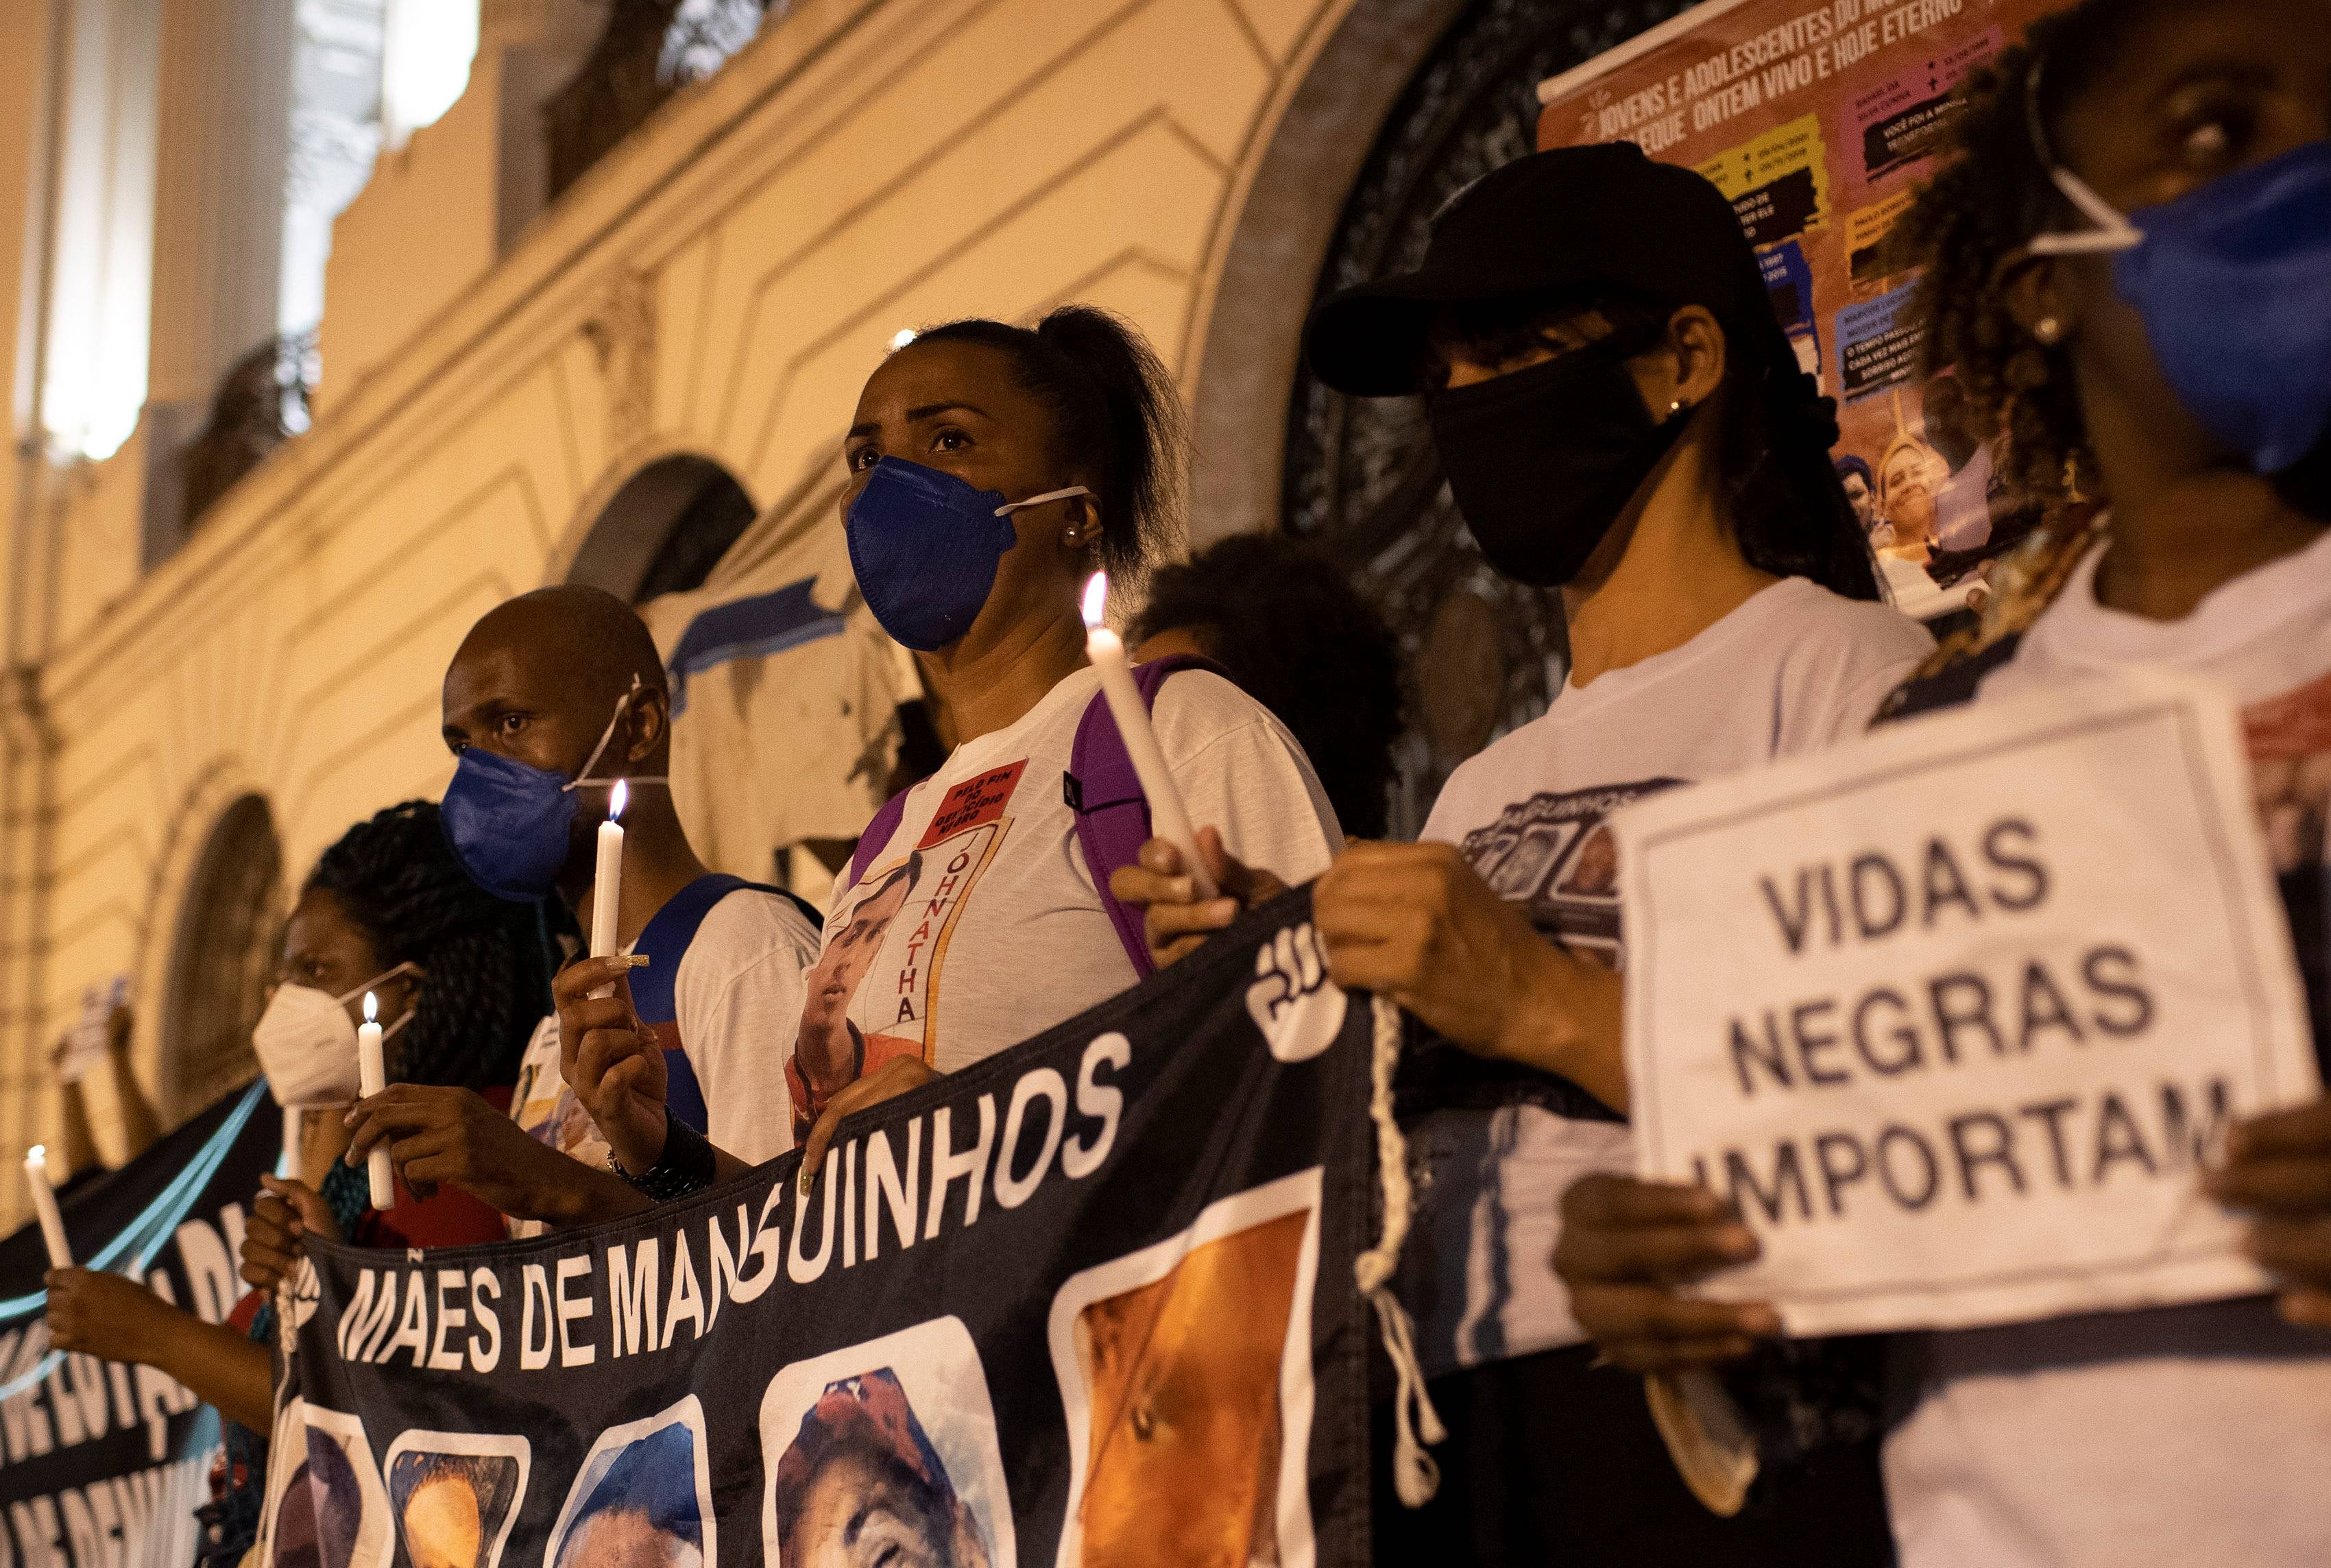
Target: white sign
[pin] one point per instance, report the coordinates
(1954, 1014)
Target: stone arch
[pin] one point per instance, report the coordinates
(661, 528)
(1360, 59)
(222, 957)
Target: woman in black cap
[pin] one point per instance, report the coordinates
(1620, 415)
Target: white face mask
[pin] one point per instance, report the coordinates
(307, 1042)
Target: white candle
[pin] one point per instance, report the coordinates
(1168, 819)
(44, 1204)
(607, 887)
(372, 1077)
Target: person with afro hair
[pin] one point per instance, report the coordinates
(1287, 626)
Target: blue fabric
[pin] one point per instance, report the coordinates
(751, 628)
(656, 1477)
(665, 941)
(508, 824)
(925, 546)
(2233, 282)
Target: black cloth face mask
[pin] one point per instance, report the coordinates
(1542, 461)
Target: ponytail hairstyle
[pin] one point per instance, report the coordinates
(1113, 406)
(485, 961)
(1991, 196)
(1782, 489)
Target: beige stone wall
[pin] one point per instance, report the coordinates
(721, 284)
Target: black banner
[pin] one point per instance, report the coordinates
(103, 1462)
(1091, 1301)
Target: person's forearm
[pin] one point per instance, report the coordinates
(1575, 1027)
(590, 1196)
(223, 1367)
(607, 1196)
(140, 1128)
(79, 1150)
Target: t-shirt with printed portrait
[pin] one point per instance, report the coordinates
(1793, 670)
(978, 925)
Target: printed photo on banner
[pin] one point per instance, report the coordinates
(1185, 1371)
(455, 1495)
(1957, 1019)
(894, 930)
(327, 1507)
(886, 1452)
(643, 1498)
(1818, 123)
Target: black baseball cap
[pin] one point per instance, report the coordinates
(1604, 216)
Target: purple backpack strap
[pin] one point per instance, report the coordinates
(877, 834)
(1102, 790)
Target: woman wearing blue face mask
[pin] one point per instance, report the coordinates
(993, 470)
(2129, 265)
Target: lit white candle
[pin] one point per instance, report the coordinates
(44, 1204)
(607, 887)
(1168, 819)
(372, 1077)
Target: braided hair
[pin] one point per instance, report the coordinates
(486, 963)
(1112, 404)
(1988, 200)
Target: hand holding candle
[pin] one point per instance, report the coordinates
(372, 1077)
(44, 1204)
(607, 885)
(1168, 819)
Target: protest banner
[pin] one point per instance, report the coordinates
(103, 1462)
(1818, 121)
(1957, 1012)
(1092, 1300)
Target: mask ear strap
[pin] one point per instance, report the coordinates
(2113, 232)
(608, 734)
(407, 967)
(1008, 508)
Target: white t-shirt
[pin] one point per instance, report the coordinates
(2194, 1435)
(978, 925)
(1793, 670)
(738, 995)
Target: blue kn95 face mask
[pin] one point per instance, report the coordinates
(2233, 283)
(508, 821)
(925, 544)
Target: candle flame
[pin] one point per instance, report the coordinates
(1096, 599)
(38, 1155)
(619, 798)
(372, 1008)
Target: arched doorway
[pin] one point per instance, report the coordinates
(222, 959)
(664, 529)
(1481, 654)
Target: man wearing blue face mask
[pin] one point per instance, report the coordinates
(551, 699)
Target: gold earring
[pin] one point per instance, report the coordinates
(2048, 330)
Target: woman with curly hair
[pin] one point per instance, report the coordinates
(2129, 268)
(460, 977)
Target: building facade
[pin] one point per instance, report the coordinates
(208, 680)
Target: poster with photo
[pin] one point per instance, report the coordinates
(1818, 121)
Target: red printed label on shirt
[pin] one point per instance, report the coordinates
(974, 803)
